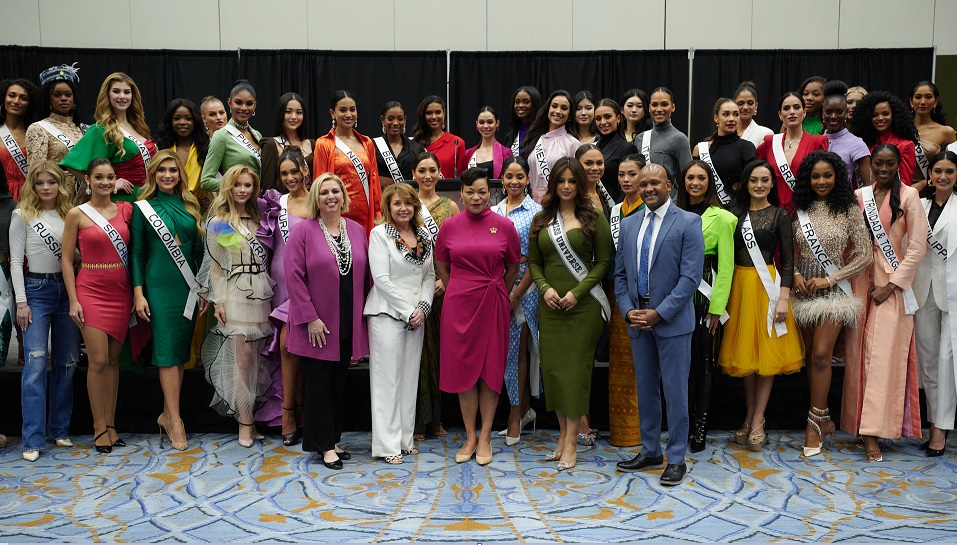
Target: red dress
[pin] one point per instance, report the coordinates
(908, 154)
(450, 150)
(809, 143)
(103, 286)
(475, 311)
(15, 177)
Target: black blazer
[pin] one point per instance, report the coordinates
(614, 148)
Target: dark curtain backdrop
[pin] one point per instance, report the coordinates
(490, 78)
(476, 78)
(717, 73)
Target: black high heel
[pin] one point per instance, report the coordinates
(119, 442)
(102, 449)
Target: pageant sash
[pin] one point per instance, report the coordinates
(705, 154)
(539, 153)
(283, 220)
(175, 252)
(10, 142)
(115, 239)
(56, 133)
(556, 232)
(922, 162)
(604, 194)
(935, 246)
(646, 145)
(516, 149)
(615, 224)
(49, 239)
(357, 164)
(810, 235)
(431, 227)
(781, 161)
(243, 141)
(472, 161)
(144, 153)
(255, 247)
(772, 287)
(707, 289)
(386, 152)
(873, 219)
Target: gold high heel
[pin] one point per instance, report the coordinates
(741, 436)
(756, 439)
(164, 425)
(817, 418)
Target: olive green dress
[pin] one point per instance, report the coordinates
(163, 285)
(568, 337)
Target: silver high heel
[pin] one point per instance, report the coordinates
(816, 418)
(530, 416)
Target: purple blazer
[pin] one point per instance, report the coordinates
(312, 278)
(499, 154)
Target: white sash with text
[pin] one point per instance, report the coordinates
(556, 232)
(810, 235)
(705, 154)
(873, 219)
(357, 164)
(175, 252)
(781, 161)
(771, 286)
(10, 142)
(389, 158)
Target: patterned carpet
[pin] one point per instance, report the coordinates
(219, 491)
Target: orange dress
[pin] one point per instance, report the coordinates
(363, 209)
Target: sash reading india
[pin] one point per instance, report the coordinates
(771, 287)
(873, 218)
(431, 227)
(169, 242)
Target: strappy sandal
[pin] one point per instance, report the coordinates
(741, 436)
(873, 454)
(395, 459)
(818, 418)
(756, 438)
(410, 451)
(552, 456)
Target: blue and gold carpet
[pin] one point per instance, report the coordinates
(218, 491)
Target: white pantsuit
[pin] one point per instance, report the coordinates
(932, 323)
(401, 284)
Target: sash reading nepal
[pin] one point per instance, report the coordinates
(169, 241)
(556, 232)
(810, 235)
(357, 164)
(772, 287)
(872, 215)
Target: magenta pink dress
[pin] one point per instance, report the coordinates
(475, 311)
(103, 286)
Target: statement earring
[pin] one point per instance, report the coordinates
(89, 190)
(333, 122)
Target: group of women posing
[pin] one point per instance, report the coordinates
(221, 216)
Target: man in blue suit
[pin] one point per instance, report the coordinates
(658, 268)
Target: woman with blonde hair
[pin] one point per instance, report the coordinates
(400, 259)
(120, 134)
(164, 282)
(326, 326)
(36, 232)
(234, 279)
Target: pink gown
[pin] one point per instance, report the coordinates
(476, 311)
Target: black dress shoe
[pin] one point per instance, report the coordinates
(933, 453)
(344, 455)
(640, 462)
(925, 445)
(332, 465)
(673, 474)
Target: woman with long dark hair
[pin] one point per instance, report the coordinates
(612, 143)
(697, 192)
(880, 374)
(17, 111)
(929, 119)
(724, 152)
(832, 247)
(58, 126)
(573, 305)
(289, 130)
(526, 100)
(760, 339)
(935, 293)
(634, 106)
(586, 131)
(429, 131)
(549, 138)
(349, 155)
(881, 118)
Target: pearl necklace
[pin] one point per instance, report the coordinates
(342, 250)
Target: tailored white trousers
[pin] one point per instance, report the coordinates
(935, 358)
(394, 357)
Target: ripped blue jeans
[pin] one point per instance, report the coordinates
(47, 398)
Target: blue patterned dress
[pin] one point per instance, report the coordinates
(522, 217)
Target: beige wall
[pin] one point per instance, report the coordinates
(479, 24)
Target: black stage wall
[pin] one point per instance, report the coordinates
(469, 80)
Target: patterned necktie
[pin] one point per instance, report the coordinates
(645, 250)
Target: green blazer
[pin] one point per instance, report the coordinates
(717, 226)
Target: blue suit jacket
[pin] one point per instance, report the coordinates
(677, 263)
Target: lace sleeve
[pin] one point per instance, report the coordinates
(37, 144)
(216, 260)
(859, 255)
(785, 233)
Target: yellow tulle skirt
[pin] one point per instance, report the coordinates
(746, 347)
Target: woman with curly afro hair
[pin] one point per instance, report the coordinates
(829, 221)
(881, 118)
